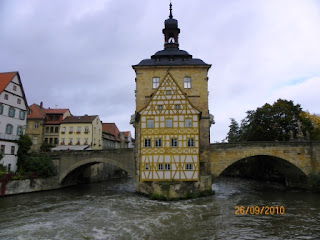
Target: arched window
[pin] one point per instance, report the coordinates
(187, 82)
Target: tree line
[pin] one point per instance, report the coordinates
(281, 121)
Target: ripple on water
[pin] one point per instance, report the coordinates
(101, 212)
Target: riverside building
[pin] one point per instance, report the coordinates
(13, 121)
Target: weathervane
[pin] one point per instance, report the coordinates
(170, 16)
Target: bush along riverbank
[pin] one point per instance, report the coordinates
(30, 168)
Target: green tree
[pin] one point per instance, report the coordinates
(24, 144)
(42, 166)
(233, 134)
(46, 147)
(273, 122)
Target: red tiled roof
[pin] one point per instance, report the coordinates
(5, 78)
(111, 128)
(79, 119)
(126, 134)
(54, 110)
(35, 112)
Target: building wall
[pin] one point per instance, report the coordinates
(197, 94)
(5, 138)
(160, 159)
(93, 136)
(35, 131)
(51, 134)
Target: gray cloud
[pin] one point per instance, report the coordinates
(78, 54)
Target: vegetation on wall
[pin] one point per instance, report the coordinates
(31, 166)
(46, 147)
(281, 121)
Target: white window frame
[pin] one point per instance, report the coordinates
(150, 123)
(187, 82)
(167, 166)
(11, 112)
(188, 123)
(169, 123)
(147, 142)
(174, 142)
(160, 166)
(22, 115)
(158, 142)
(155, 82)
(9, 128)
(190, 142)
(19, 131)
(189, 166)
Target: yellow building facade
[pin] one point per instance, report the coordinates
(81, 131)
(172, 119)
(169, 136)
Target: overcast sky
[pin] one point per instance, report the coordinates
(78, 54)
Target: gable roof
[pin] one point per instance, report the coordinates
(55, 110)
(112, 129)
(5, 78)
(79, 119)
(178, 96)
(35, 112)
(126, 133)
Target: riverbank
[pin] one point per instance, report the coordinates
(98, 173)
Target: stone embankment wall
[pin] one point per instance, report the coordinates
(96, 173)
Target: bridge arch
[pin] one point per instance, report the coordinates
(224, 155)
(123, 159)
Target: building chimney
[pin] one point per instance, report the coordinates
(41, 104)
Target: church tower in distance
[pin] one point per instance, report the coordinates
(172, 121)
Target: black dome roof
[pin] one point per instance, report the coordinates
(171, 23)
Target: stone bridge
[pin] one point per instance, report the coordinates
(66, 162)
(303, 155)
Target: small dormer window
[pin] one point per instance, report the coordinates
(6, 96)
(155, 82)
(14, 88)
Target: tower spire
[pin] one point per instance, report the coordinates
(170, 8)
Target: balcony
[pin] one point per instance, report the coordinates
(5, 136)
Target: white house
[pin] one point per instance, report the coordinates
(13, 117)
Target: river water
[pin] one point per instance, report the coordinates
(112, 210)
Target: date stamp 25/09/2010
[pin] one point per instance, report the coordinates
(259, 210)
